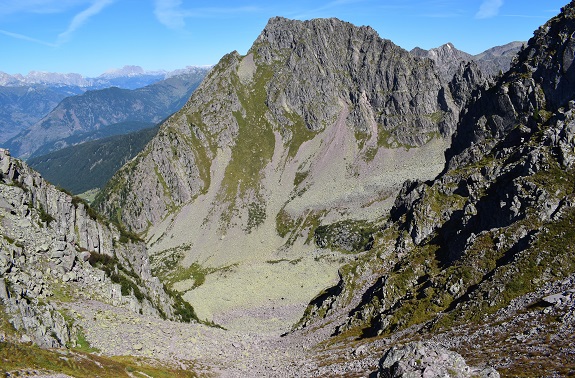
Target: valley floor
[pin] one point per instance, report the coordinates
(524, 339)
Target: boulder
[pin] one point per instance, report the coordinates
(427, 360)
(3, 290)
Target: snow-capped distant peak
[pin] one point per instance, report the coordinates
(128, 71)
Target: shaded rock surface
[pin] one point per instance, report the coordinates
(494, 226)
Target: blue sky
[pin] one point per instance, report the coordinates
(92, 36)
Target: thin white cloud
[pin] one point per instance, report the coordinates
(171, 14)
(38, 6)
(489, 8)
(51, 6)
(26, 38)
(81, 18)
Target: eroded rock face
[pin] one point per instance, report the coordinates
(491, 62)
(428, 360)
(52, 248)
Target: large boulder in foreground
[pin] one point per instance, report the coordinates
(427, 360)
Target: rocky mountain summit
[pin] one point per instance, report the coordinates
(321, 121)
(334, 189)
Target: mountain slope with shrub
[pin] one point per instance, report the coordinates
(470, 258)
(320, 121)
(490, 238)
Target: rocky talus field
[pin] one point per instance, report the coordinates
(328, 204)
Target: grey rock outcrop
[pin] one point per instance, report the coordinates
(446, 57)
(54, 248)
(498, 59)
(428, 360)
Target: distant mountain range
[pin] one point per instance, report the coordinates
(24, 100)
(99, 109)
(127, 77)
(21, 107)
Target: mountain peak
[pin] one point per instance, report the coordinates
(281, 31)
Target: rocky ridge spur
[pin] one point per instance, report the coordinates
(55, 249)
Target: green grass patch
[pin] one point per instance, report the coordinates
(254, 144)
(44, 216)
(16, 356)
(284, 223)
(300, 177)
(83, 345)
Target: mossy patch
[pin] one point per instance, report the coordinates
(253, 149)
(346, 236)
(16, 357)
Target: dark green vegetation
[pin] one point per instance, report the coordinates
(118, 273)
(17, 358)
(348, 236)
(116, 129)
(90, 165)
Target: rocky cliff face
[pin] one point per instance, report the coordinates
(492, 234)
(54, 249)
(498, 59)
(298, 80)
